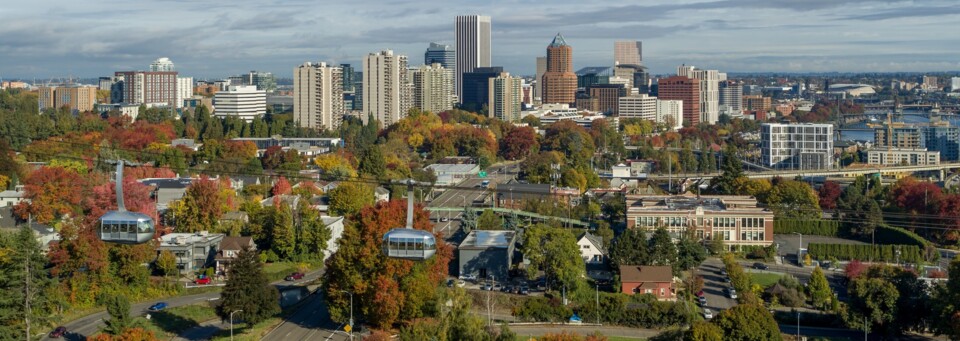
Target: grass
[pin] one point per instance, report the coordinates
(172, 321)
(609, 338)
(278, 270)
(765, 279)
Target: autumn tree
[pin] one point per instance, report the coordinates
(200, 208)
(248, 290)
(167, 263)
(555, 252)
(334, 166)
(748, 322)
(829, 193)
(792, 199)
(538, 168)
(819, 290)
(50, 193)
(518, 143)
(572, 140)
(946, 304)
(282, 186)
(349, 197)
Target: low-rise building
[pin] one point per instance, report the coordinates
(45, 234)
(193, 251)
(229, 248)
(335, 224)
(591, 248)
(652, 280)
(167, 190)
(902, 156)
(734, 219)
(12, 197)
(487, 254)
(449, 175)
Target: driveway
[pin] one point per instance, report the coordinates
(713, 285)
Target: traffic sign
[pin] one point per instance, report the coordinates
(347, 328)
(483, 174)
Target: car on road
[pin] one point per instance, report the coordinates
(759, 266)
(294, 276)
(507, 288)
(202, 281)
(707, 314)
(702, 300)
(158, 306)
(58, 332)
(731, 292)
(444, 219)
(486, 286)
(700, 293)
(723, 272)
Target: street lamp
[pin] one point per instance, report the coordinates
(231, 322)
(598, 304)
(351, 313)
(799, 249)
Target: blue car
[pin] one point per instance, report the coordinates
(158, 306)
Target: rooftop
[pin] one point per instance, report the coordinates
(558, 41)
(484, 239)
(459, 168)
(638, 273)
(190, 238)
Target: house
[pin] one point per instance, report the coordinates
(186, 143)
(382, 194)
(235, 216)
(591, 248)
(335, 224)
(238, 182)
(487, 254)
(229, 248)
(12, 197)
(194, 251)
(167, 190)
(653, 280)
(44, 234)
(291, 200)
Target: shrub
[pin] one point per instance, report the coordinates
(883, 253)
(809, 227)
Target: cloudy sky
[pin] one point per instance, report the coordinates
(210, 39)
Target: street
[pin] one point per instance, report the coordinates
(713, 285)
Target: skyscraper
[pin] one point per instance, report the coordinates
(505, 97)
(473, 46)
(433, 88)
(348, 77)
(162, 64)
(149, 87)
(440, 53)
(184, 90)
(627, 52)
(541, 69)
(476, 87)
(709, 91)
(387, 90)
(245, 102)
(559, 82)
(683, 89)
(318, 96)
(731, 98)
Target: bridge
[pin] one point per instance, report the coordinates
(510, 211)
(843, 172)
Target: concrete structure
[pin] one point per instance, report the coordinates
(627, 52)
(451, 175)
(506, 100)
(592, 75)
(475, 87)
(433, 88)
(559, 82)
(651, 280)
(684, 89)
(76, 97)
(473, 46)
(670, 113)
(538, 82)
(387, 89)
(709, 91)
(731, 98)
(318, 96)
(607, 97)
(184, 90)
(487, 254)
(149, 87)
(162, 64)
(735, 219)
(851, 89)
(797, 146)
(443, 54)
(193, 251)
(641, 106)
(954, 84)
(757, 103)
(901, 156)
(242, 101)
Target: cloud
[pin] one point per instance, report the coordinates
(908, 12)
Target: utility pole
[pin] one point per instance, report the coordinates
(598, 304)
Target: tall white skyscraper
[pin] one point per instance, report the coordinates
(955, 84)
(162, 64)
(433, 88)
(709, 91)
(505, 97)
(473, 46)
(627, 52)
(318, 96)
(387, 89)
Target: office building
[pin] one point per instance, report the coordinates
(387, 88)
(149, 87)
(592, 75)
(162, 64)
(929, 83)
(318, 96)
(954, 84)
(75, 97)
(184, 89)
(737, 220)
(262, 80)
(541, 69)
(627, 52)
(607, 97)
(473, 46)
(476, 87)
(757, 103)
(506, 98)
(634, 76)
(709, 91)
(639, 106)
(242, 101)
(348, 79)
(670, 113)
(106, 83)
(797, 146)
(902, 157)
(559, 82)
(433, 88)
(682, 89)
(440, 53)
(731, 98)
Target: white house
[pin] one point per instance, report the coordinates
(591, 249)
(382, 194)
(335, 224)
(11, 197)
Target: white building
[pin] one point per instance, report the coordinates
(449, 175)
(591, 248)
(797, 146)
(506, 98)
(641, 106)
(473, 46)
(128, 109)
(709, 91)
(184, 90)
(318, 95)
(387, 90)
(12, 197)
(731, 98)
(954, 84)
(162, 64)
(433, 88)
(902, 156)
(670, 111)
(193, 251)
(335, 224)
(243, 101)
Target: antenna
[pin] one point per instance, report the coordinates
(120, 206)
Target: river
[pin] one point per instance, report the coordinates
(909, 116)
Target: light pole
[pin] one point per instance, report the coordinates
(351, 313)
(231, 322)
(798, 325)
(799, 249)
(598, 304)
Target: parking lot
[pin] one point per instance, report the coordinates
(714, 285)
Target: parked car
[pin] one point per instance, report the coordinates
(700, 293)
(158, 306)
(507, 288)
(524, 290)
(202, 281)
(707, 314)
(461, 283)
(58, 332)
(723, 272)
(703, 300)
(759, 266)
(469, 277)
(444, 219)
(294, 276)
(731, 293)
(486, 286)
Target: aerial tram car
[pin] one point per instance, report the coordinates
(122, 226)
(407, 242)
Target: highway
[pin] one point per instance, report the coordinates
(468, 192)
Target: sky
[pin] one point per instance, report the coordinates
(213, 39)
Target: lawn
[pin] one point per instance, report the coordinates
(765, 279)
(278, 270)
(175, 320)
(609, 338)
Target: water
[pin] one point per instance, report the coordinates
(909, 116)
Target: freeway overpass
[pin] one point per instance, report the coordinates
(511, 211)
(844, 172)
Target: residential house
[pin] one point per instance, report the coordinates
(44, 234)
(382, 194)
(487, 254)
(335, 224)
(229, 248)
(291, 200)
(653, 280)
(591, 248)
(12, 197)
(167, 190)
(194, 251)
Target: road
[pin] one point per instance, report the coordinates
(468, 192)
(713, 285)
(88, 325)
(310, 322)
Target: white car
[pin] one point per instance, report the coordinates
(469, 277)
(707, 314)
(732, 293)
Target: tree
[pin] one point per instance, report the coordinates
(555, 251)
(874, 299)
(518, 143)
(200, 208)
(819, 289)
(23, 281)
(748, 322)
(248, 289)
(630, 248)
(489, 220)
(792, 199)
(371, 164)
(704, 331)
(688, 161)
(167, 263)
(689, 255)
(731, 171)
(118, 306)
(829, 194)
(334, 166)
(661, 248)
(946, 304)
(50, 193)
(282, 186)
(349, 197)
(538, 168)
(315, 235)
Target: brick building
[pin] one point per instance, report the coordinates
(735, 219)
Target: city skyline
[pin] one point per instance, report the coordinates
(58, 38)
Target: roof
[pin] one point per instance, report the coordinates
(595, 240)
(10, 222)
(640, 273)
(236, 243)
(595, 70)
(486, 239)
(519, 188)
(191, 238)
(11, 194)
(381, 191)
(457, 168)
(558, 41)
(235, 215)
(167, 182)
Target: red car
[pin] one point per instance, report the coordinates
(58, 332)
(700, 293)
(205, 280)
(295, 276)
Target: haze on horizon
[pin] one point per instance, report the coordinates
(213, 39)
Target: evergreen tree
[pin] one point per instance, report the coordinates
(708, 162)
(819, 290)
(314, 234)
(732, 170)
(248, 289)
(630, 248)
(372, 164)
(688, 161)
(118, 306)
(661, 248)
(23, 280)
(489, 220)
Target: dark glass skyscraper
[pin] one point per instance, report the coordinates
(476, 87)
(440, 53)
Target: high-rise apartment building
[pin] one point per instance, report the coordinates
(731, 98)
(627, 52)
(75, 97)
(184, 89)
(318, 96)
(559, 82)
(433, 88)
(757, 103)
(473, 46)
(149, 87)
(476, 87)
(797, 146)
(245, 102)
(506, 98)
(709, 91)
(937, 136)
(684, 89)
(670, 113)
(928, 83)
(538, 83)
(440, 53)
(163, 64)
(387, 89)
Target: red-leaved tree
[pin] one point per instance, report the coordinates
(829, 193)
(51, 192)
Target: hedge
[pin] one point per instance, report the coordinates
(810, 227)
(894, 235)
(882, 253)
